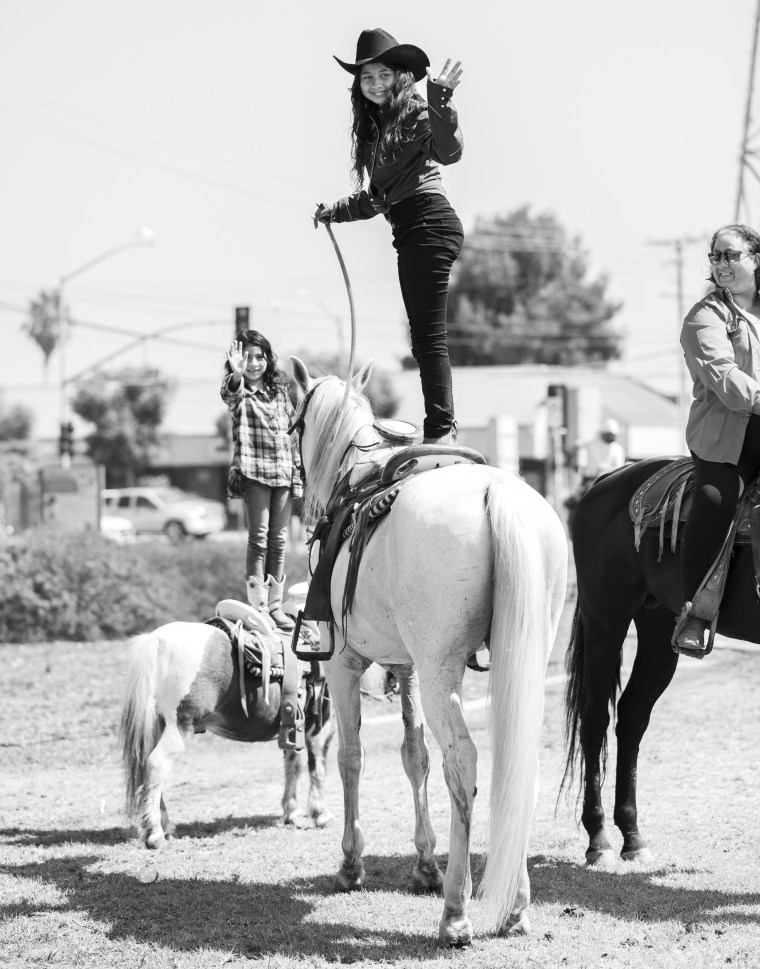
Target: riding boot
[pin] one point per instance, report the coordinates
(257, 593)
(449, 438)
(275, 603)
(689, 635)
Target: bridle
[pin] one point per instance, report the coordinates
(298, 424)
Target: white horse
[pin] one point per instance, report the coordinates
(183, 679)
(467, 553)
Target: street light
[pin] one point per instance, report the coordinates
(145, 237)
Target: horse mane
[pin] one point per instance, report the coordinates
(335, 426)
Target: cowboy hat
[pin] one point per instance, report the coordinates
(378, 45)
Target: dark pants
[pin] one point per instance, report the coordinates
(267, 511)
(427, 235)
(717, 488)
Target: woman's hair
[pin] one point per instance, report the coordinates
(395, 121)
(750, 236)
(272, 379)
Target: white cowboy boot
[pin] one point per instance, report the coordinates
(275, 603)
(257, 593)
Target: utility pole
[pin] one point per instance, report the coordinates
(678, 245)
(747, 149)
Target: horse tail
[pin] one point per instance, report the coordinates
(575, 658)
(140, 726)
(525, 617)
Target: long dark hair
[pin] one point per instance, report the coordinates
(751, 237)
(273, 378)
(395, 121)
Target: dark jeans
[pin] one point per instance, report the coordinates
(267, 511)
(427, 235)
(717, 488)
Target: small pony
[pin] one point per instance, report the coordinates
(468, 553)
(185, 678)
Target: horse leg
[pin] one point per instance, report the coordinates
(601, 662)
(293, 760)
(317, 746)
(154, 818)
(343, 673)
(652, 671)
(415, 757)
(442, 703)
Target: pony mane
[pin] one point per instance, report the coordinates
(335, 427)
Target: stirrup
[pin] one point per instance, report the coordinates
(696, 652)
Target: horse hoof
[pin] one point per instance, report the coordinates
(427, 880)
(600, 859)
(156, 841)
(641, 855)
(456, 934)
(520, 926)
(345, 882)
(322, 818)
(292, 817)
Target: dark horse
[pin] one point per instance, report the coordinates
(616, 585)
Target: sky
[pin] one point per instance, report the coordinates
(218, 126)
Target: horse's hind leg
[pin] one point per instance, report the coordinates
(415, 756)
(442, 703)
(601, 662)
(343, 673)
(652, 671)
(153, 816)
(293, 761)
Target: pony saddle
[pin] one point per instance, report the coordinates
(263, 653)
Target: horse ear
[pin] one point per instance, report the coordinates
(361, 379)
(301, 374)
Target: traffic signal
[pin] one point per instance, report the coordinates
(242, 319)
(66, 439)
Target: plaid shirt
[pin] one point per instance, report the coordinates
(264, 451)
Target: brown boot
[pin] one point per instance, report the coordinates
(280, 619)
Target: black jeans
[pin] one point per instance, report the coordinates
(717, 487)
(427, 235)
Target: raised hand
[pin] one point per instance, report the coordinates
(449, 76)
(322, 214)
(238, 360)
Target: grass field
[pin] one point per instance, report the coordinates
(237, 888)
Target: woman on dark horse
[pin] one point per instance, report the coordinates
(721, 344)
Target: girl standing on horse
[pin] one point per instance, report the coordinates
(721, 343)
(265, 470)
(398, 141)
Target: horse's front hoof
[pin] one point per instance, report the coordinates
(641, 855)
(427, 879)
(600, 859)
(293, 816)
(520, 925)
(156, 841)
(346, 881)
(456, 934)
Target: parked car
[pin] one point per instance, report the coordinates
(166, 510)
(118, 529)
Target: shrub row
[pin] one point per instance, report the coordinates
(82, 587)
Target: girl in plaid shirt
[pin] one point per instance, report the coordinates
(265, 470)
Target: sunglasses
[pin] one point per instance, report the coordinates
(731, 255)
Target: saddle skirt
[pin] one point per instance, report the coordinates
(665, 498)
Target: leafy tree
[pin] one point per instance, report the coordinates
(126, 408)
(379, 389)
(15, 423)
(520, 293)
(43, 325)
